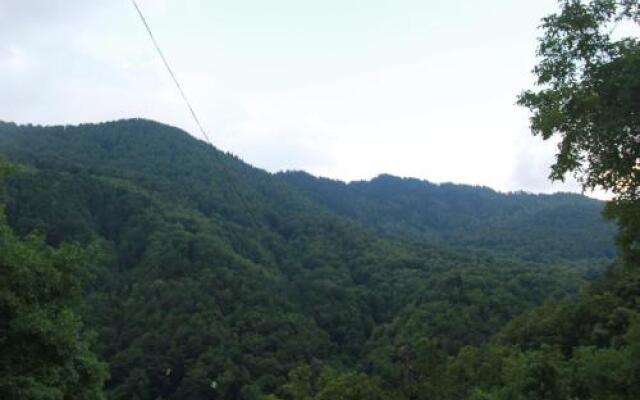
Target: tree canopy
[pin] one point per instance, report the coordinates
(589, 94)
(194, 300)
(216, 280)
(45, 350)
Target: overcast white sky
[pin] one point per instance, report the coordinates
(341, 88)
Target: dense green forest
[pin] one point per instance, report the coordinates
(137, 262)
(535, 227)
(210, 272)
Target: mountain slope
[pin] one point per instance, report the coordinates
(535, 227)
(214, 279)
(560, 226)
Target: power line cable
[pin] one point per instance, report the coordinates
(173, 75)
(192, 111)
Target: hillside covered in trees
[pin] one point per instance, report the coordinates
(214, 279)
(562, 226)
(137, 262)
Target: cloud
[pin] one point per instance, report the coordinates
(532, 166)
(20, 16)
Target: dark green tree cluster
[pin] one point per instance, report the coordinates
(45, 350)
(589, 94)
(533, 227)
(589, 97)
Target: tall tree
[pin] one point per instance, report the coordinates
(589, 96)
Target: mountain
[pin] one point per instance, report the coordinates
(554, 227)
(214, 279)
(536, 227)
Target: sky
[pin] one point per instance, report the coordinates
(346, 89)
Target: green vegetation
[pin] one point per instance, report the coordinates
(216, 280)
(559, 227)
(590, 93)
(196, 298)
(45, 350)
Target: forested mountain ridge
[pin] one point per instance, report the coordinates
(215, 279)
(531, 226)
(536, 227)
